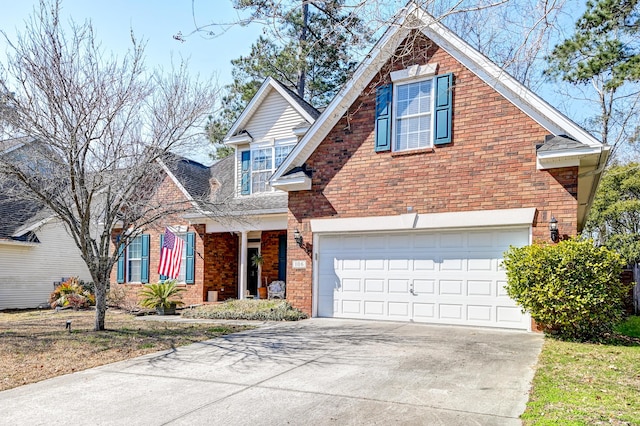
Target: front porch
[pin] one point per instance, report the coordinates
(229, 267)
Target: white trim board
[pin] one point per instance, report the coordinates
(459, 220)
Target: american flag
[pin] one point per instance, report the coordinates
(170, 255)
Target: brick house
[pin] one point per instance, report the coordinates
(231, 212)
(425, 168)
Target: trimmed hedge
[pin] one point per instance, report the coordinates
(261, 310)
(572, 289)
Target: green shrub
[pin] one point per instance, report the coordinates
(163, 294)
(261, 310)
(572, 289)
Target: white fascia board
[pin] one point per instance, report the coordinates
(527, 101)
(4, 242)
(262, 222)
(239, 139)
(249, 109)
(32, 227)
(414, 221)
(295, 182)
(381, 52)
(565, 158)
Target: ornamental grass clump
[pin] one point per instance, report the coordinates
(572, 289)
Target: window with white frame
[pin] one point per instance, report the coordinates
(134, 260)
(183, 262)
(412, 109)
(260, 163)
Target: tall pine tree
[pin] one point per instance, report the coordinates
(311, 48)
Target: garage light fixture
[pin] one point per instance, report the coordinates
(553, 229)
(298, 237)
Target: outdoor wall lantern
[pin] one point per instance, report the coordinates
(298, 237)
(553, 229)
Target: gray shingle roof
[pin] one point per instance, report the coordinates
(193, 176)
(197, 179)
(16, 211)
(560, 142)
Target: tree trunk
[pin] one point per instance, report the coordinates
(302, 47)
(101, 304)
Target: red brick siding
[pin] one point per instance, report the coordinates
(490, 164)
(269, 245)
(221, 264)
(195, 293)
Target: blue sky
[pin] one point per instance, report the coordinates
(156, 22)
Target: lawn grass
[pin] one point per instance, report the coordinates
(262, 310)
(34, 345)
(586, 383)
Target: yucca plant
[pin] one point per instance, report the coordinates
(161, 296)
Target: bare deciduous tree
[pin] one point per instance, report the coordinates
(99, 126)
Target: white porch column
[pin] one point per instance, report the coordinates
(242, 265)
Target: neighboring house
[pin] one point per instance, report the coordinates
(425, 168)
(232, 213)
(35, 248)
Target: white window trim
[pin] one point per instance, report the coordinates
(271, 144)
(394, 109)
(414, 72)
(128, 262)
(183, 261)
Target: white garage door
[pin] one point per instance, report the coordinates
(439, 277)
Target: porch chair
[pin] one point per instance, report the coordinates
(276, 290)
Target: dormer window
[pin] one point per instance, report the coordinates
(258, 164)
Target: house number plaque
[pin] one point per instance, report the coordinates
(299, 264)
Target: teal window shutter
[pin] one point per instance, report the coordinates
(246, 173)
(162, 277)
(189, 275)
(282, 258)
(383, 117)
(144, 262)
(443, 109)
(120, 275)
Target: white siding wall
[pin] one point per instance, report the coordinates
(27, 274)
(275, 118)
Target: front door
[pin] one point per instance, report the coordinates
(252, 272)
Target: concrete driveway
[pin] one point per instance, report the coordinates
(314, 372)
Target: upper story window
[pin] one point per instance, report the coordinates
(258, 164)
(415, 111)
(412, 108)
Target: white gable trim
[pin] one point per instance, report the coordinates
(514, 91)
(267, 85)
(523, 98)
(176, 182)
(30, 228)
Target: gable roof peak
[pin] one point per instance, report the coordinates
(414, 17)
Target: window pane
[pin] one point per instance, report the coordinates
(134, 260)
(413, 116)
(259, 182)
(183, 264)
(281, 153)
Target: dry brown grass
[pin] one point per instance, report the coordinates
(34, 345)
